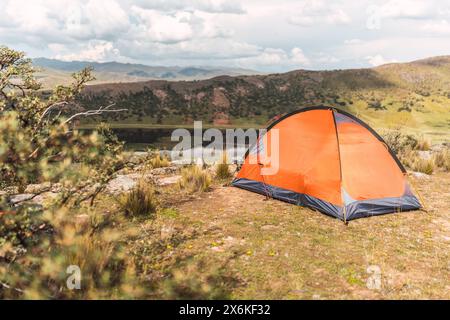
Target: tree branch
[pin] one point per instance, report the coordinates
(54, 105)
(94, 112)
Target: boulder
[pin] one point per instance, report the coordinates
(425, 155)
(165, 181)
(18, 198)
(44, 197)
(122, 183)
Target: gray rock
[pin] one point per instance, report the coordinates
(420, 175)
(440, 147)
(122, 183)
(165, 181)
(425, 155)
(44, 197)
(18, 198)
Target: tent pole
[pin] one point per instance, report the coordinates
(344, 211)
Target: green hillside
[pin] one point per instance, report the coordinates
(412, 96)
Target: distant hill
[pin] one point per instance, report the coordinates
(56, 71)
(413, 95)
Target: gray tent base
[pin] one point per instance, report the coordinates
(354, 210)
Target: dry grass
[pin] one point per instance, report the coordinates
(442, 159)
(222, 170)
(415, 163)
(194, 179)
(423, 144)
(140, 201)
(158, 162)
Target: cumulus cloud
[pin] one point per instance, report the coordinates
(378, 60)
(53, 20)
(298, 57)
(152, 25)
(99, 51)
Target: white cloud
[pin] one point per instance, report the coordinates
(99, 51)
(272, 58)
(95, 19)
(152, 25)
(298, 57)
(156, 26)
(378, 60)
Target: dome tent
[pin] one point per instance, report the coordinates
(330, 161)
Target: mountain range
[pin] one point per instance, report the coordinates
(53, 71)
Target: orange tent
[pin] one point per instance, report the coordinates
(328, 160)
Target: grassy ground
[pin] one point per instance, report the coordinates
(274, 250)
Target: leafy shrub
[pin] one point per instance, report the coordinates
(19, 230)
(194, 179)
(400, 142)
(38, 142)
(140, 201)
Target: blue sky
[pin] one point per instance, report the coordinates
(269, 36)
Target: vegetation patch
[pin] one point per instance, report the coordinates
(194, 179)
(140, 201)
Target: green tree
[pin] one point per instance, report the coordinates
(38, 139)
